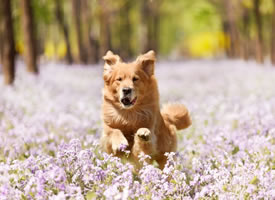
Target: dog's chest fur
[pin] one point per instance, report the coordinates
(128, 121)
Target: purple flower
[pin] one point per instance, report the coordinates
(50, 128)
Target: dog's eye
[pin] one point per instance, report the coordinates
(119, 79)
(135, 79)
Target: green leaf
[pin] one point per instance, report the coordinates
(235, 150)
(254, 181)
(23, 197)
(90, 195)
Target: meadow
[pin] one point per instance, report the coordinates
(50, 127)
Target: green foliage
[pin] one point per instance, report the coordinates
(254, 181)
(235, 150)
(192, 28)
(91, 195)
(44, 11)
(182, 20)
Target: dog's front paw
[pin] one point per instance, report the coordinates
(119, 145)
(144, 134)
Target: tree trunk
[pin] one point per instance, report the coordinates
(1, 37)
(105, 28)
(145, 16)
(29, 36)
(150, 15)
(64, 28)
(125, 30)
(246, 38)
(8, 42)
(226, 32)
(231, 29)
(273, 36)
(76, 8)
(259, 39)
(155, 25)
(91, 44)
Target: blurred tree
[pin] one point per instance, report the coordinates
(246, 34)
(202, 28)
(259, 39)
(150, 22)
(273, 35)
(90, 41)
(1, 38)
(105, 27)
(125, 29)
(230, 28)
(76, 10)
(144, 25)
(43, 16)
(8, 42)
(64, 28)
(30, 49)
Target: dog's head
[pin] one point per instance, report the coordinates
(127, 83)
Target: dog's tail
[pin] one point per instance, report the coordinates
(176, 114)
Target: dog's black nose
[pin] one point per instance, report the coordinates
(126, 91)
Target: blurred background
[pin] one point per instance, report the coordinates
(81, 31)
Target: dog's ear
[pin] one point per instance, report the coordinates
(147, 62)
(110, 59)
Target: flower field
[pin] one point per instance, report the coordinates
(50, 126)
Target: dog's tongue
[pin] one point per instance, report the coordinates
(134, 101)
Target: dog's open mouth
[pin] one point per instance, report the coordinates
(126, 101)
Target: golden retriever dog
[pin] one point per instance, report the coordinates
(131, 111)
